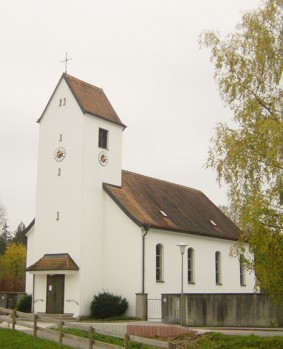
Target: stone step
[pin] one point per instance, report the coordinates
(64, 317)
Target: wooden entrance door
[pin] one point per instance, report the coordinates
(55, 294)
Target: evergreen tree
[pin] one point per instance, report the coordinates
(20, 235)
(5, 238)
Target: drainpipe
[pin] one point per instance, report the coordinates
(145, 230)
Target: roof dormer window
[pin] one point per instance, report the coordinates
(213, 223)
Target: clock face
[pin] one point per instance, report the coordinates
(103, 158)
(60, 154)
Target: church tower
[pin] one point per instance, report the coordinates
(80, 148)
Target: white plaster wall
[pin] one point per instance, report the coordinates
(29, 259)
(76, 194)
(59, 193)
(72, 291)
(39, 298)
(55, 193)
(205, 249)
(123, 261)
(122, 254)
(92, 224)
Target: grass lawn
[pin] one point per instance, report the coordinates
(221, 341)
(17, 340)
(107, 339)
(207, 341)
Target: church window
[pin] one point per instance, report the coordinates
(191, 265)
(64, 101)
(103, 138)
(242, 271)
(159, 262)
(60, 102)
(60, 137)
(218, 277)
(59, 171)
(57, 216)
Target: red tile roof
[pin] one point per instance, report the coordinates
(159, 204)
(61, 261)
(91, 99)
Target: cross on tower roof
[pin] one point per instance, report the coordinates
(66, 61)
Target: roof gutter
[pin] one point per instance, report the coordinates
(145, 230)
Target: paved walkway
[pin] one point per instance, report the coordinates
(261, 332)
(122, 328)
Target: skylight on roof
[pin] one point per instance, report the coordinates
(163, 213)
(212, 222)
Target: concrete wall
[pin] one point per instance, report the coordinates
(10, 299)
(248, 310)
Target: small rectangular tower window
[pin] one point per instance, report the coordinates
(64, 101)
(59, 171)
(103, 138)
(60, 102)
(60, 137)
(57, 216)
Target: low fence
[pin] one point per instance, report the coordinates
(31, 321)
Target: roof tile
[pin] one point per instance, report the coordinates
(92, 99)
(60, 261)
(188, 210)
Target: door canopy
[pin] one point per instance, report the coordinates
(54, 263)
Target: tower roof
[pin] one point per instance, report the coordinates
(91, 99)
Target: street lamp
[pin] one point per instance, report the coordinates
(182, 246)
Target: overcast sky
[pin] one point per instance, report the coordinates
(145, 55)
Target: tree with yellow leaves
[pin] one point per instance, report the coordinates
(248, 156)
(12, 268)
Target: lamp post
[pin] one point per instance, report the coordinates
(182, 246)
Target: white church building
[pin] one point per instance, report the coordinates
(98, 227)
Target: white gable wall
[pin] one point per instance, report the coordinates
(59, 193)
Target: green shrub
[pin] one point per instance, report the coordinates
(106, 305)
(24, 304)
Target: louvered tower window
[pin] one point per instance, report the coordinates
(103, 138)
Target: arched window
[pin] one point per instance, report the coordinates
(159, 262)
(218, 276)
(242, 271)
(191, 265)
